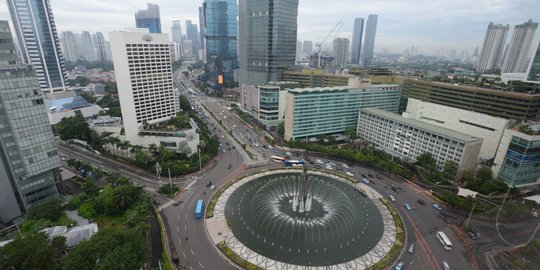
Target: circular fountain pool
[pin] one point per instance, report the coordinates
(341, 224)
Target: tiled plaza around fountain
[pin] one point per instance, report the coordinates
(272, 238)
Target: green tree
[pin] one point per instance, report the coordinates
(184, 148)
(351, 132)
(50, 209)
(74, 127)
(59, 243)
(484, 174)
(450, 170)
(184, 104)
(30, 252)
(427, 161)
(152, 148)
(110, 87)
(124, 196)
(89, 187)
(90, 97)
(165, 154)
(142, 157)
(281, 129)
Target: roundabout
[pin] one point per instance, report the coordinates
(295, 219)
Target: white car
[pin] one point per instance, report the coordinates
(319, 161)
(392, 198)
(349, 174)
(345, 165)
(328, 167)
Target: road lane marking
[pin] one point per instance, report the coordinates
(183, 253)
(185, 228)
(201, 265)
(178, 217)
(192, 252)
(180, 241)
(177, 229)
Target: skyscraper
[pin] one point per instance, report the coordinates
(340, 51)
(149, 18)
(358, 29)
(89, 51)
(176, 32)
(298, 57)
(369, 43)
(202, 26)
(307, 48)
(268, 34)
(534, 68)
(517, 56)
(69, 46)
(145, 90)
(193, 35)
(38, 41)
(28, 154)
(100, 46)
(493, 48)
(221, 30)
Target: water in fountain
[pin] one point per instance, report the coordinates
(341, 223)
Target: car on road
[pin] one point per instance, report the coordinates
(472, 235)
(400, 265)
(407, 206)
(345, 165)
(365, 180)
(328, 167)
(209, 184)
(422, 202)
(370, 175)
(436, 206)
(395, 189)
(319, 161)
(402, 188)
(392, 198)
(445, 265)
(364, 175)
(379, 177)
(349, 174)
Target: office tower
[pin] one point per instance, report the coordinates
(193, 35)
(340, 50)
(69, 46)
(298, 57)
(534, 68)
(176, 32)
(187, 48)
(268, 34)
(311, 112)
(100, 47)
(202, 27)
(149, 18)
(307, 48)
(369, 43)
(145, 89)
(409, 138)
(493, 48)
(517, 56)
(88, 46)
(221, 30)
(358, 29)
(28, 154)
(38, 41)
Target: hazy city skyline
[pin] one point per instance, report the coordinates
(428, 25)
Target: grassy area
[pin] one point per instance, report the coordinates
(235, 258)
(105, 222)
(395, 250)
(167, 265)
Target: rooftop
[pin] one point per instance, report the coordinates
(340, 88)
(422, 125)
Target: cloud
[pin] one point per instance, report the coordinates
(427, 24)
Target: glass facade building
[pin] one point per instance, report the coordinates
(369, 45)
(358, 28)
(268, 34)
(36, 31)
(534, 69)
(221, 31)
(311, 112)
(28, 155)
(149, 18)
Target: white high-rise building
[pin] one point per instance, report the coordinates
(143, 70)
(69, 46)
(89, 51)
(493, 49)
(298, 51)
(340, 49)
(518, 54)
(99, 46)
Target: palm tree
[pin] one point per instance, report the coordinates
(152, 148)
(123, 196)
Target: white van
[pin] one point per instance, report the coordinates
(411, 249)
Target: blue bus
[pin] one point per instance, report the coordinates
(290, 162)
(199, 209)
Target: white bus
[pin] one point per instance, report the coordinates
(444, 240)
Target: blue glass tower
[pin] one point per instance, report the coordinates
(149, 18)
(34, 24)
(221, 30)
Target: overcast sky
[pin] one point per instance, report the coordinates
(426, 24)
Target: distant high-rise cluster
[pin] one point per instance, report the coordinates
(357, 40)
(149, 18)
(517, 55)
(515, 58)
(369, 45)
(38, 41)
(340, 49)
(84, 46)
(192, 33)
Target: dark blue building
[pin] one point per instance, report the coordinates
(220, 42)
(149, 18)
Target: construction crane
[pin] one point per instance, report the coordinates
(319, 45)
